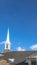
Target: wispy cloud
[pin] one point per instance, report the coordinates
(3, 42)
(20, 49)
(34, 47)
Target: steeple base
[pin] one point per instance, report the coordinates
(6, 51)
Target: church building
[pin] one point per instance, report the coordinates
(9, 57)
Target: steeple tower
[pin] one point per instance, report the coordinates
(7, 42)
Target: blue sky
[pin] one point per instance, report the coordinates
(21, 18)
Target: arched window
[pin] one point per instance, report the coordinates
(7, 46)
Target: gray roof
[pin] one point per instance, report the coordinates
(19, 56)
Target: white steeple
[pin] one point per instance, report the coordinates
(7, 42)
(8, 36)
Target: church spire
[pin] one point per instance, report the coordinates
(7, 42)
(8, 36)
